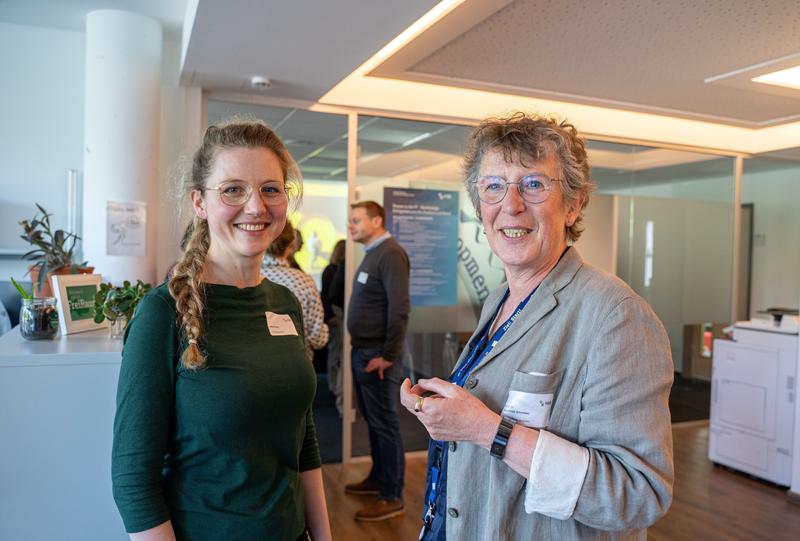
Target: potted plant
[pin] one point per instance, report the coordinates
(38, 316)
(53, 252)
(117, 304)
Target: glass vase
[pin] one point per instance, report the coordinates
(38, 318)
(117, 327)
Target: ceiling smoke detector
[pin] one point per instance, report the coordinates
(257, 82)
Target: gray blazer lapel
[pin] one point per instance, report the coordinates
(541, 304)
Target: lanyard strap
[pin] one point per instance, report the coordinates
(477, 353)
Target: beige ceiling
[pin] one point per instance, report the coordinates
(646, 55)
(662, 72)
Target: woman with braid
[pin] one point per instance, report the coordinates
(213, 435)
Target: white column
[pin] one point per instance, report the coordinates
(349, 416)
(121, 137)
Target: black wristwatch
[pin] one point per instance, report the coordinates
(498, 448)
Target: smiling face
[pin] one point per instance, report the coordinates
(527, 237)
(245, 231)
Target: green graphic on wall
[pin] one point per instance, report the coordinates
(81, 302)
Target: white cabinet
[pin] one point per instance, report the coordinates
(57, 403)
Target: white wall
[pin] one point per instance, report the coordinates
(776, 248)
(41, 137)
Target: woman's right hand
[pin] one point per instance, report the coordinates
(450, 413)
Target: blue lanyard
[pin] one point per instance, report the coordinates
(477, 353)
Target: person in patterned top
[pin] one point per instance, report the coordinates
(276, 268)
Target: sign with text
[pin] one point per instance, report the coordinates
(81, 301)
(75, 294)
(425, 223)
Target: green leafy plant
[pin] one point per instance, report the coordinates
(25, 295)
(112, 302)
(53, 250)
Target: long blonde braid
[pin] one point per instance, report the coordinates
(186, 287)
(186, 284)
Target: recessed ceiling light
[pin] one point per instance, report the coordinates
(257, 82)
(788, 77)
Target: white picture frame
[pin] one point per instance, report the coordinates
(72, 289)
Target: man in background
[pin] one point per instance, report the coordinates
(377, 320)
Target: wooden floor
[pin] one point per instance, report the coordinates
(710, 503)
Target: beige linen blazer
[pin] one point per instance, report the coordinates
(606, 358)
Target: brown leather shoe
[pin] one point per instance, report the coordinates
(362, 488)
(380, 510)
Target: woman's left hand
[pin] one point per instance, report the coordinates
(451, 414)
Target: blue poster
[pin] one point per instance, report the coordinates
(425, 223)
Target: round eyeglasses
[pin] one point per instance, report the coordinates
(532, 188)
(236, 193)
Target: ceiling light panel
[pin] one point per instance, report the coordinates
(788, 77)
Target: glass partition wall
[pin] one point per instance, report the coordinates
(413, 169)
(661, 219)
(673, 214)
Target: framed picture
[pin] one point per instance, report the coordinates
(75, 294)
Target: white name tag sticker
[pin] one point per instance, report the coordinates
(280, 324)
(529, 409)
(362, 277)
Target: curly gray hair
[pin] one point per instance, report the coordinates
(520, 136)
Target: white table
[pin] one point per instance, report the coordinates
(57, 402)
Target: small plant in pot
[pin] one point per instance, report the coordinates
(117, 304)
(38, 317)
(53, 253)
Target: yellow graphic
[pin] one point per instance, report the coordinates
(319, 237)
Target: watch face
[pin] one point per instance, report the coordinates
(498, 448)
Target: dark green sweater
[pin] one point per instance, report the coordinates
(218, 451)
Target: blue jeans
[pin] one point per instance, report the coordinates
(377, 402)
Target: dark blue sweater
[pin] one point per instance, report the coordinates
(379, 304)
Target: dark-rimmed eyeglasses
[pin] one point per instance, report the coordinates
(236, 193)
(532, 188)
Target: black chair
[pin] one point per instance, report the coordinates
(12, 299)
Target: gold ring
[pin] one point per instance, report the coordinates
(418, 405)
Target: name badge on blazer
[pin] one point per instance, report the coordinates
(280, 324)
(362, 277)
(530, 409)
(530, 397)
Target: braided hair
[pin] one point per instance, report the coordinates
(186, 285)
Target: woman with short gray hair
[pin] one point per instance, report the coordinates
(555, 421)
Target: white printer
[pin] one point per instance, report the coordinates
(753, 394)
